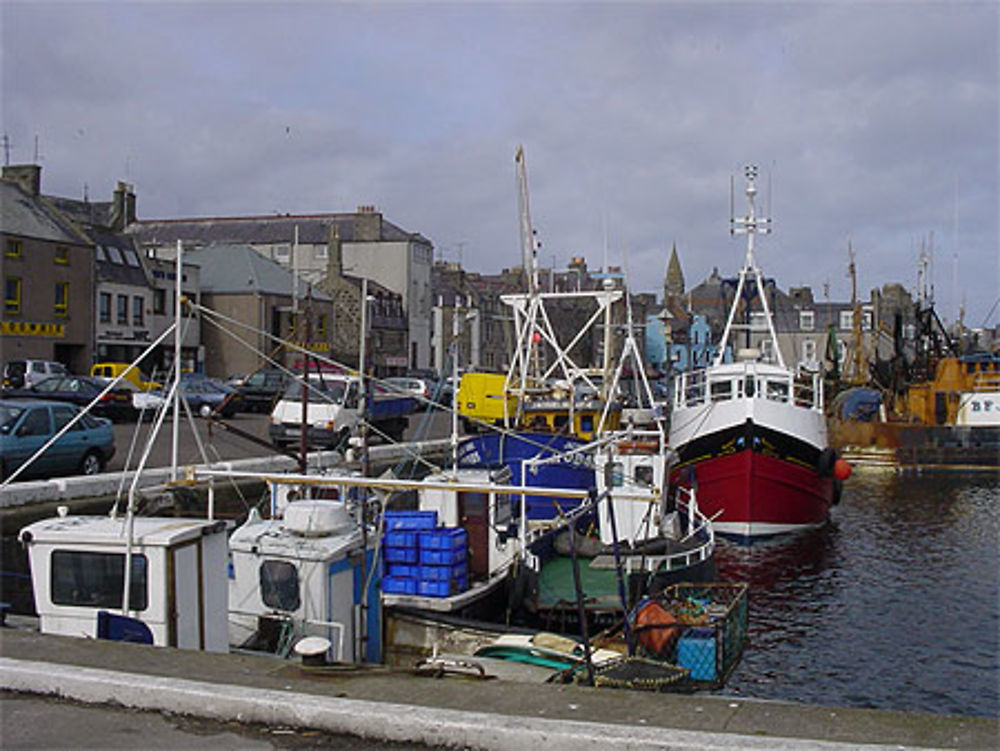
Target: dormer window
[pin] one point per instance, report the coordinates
(807, 320)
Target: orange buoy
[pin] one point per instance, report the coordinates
(841, 469)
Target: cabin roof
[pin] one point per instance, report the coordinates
(103, 531)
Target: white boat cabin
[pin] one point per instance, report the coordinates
(306, 574)
(177, 586)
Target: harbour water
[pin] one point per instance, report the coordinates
(893, 605)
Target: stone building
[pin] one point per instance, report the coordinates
(47, 269)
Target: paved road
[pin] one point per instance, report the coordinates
(222, 445)
(34, 722)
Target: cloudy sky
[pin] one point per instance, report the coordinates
(876, 123)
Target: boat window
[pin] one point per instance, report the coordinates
(279, 585)
(644, 475)
(777, 391)
(586, 423)
(616, 475)
(748, 387)
(503, 509)
(721, 390)
(560, 421)
(96, 580)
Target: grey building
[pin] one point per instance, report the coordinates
(369, 246)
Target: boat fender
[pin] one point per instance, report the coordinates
(825, 463)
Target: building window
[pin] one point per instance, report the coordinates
(62, 254)
(62, 299)
(12, 295)
(321, 327)
(14, 248)
(322, 253)
(122, 318)
(846, 320)
(281, 252)
(104, 307)
(866, 320)
(758, 321)
(137, 317)
(159, 302)
(809, 350)
(807, 320)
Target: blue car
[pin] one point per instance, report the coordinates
(27, 424)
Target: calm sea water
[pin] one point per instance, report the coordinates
(893, 605)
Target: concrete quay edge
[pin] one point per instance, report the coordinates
(380, 703)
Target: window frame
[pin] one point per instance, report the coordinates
(121, 311)
(104, 316)
(140, 319)
(12, 303)
(61, 256)
(807, 320)
(14, 248)
(61, 307)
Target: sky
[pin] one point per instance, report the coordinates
(874, 125)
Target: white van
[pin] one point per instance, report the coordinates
(334, 412)
(23, 374)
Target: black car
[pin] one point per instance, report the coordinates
(82, 390)
(262, 389)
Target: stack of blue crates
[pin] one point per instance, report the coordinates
(442, 562)
(422, 558)
(399, 548)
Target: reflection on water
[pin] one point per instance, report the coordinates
(895, 604)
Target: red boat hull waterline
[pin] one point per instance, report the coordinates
(750, 495)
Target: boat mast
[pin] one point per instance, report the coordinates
(749, 225)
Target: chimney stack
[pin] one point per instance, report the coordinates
(28, 176)
(123, 206)
(367, 224)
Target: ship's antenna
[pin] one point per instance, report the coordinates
(6, 150)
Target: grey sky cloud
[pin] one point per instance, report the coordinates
(876, 123)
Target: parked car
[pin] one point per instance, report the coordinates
(260, 390)
(23, 374)
(418, 387)
(203, 395)
(81, 391)
(111, 370)
(26, 425)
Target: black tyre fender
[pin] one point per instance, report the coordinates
(827, 458)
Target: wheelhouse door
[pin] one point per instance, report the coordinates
(473, 516)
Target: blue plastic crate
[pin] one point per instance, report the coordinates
(401, 539)
(442, 557)
(442, 573)
(435, 588)
(403, 570)
(400, 555)
(445, 538)
(696, 652)
(398, 585)
(410, 520)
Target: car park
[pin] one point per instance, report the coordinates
(81, 391)
(261, 389)
(130, 372)
(418, 387)
(204, 396)
(23, 374)
(27, 424)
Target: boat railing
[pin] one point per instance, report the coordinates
(699, 528)
(983, 382)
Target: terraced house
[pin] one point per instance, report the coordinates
(47, 269)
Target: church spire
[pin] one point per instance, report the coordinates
(673, 282)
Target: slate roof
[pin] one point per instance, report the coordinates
(239, 269)
(84, 212)
(32, 216)
(313, 229)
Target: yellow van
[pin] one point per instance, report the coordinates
(133, 375)
(480, 399)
